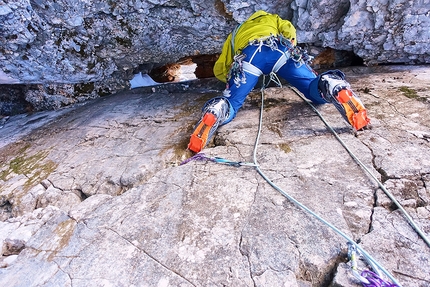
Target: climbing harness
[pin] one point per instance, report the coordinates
(296, 53)
(239, 66)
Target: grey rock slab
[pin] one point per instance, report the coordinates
(115, 207)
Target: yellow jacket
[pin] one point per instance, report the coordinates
(261, 24)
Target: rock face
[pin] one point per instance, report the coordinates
(94, 194)
(76, 41)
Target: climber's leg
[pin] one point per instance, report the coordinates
(214, 113)
(221, 110)
(335, 89)
(301, 76)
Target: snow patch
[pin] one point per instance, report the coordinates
(140, 80)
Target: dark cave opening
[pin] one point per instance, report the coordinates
(200, 65)
(325, 58)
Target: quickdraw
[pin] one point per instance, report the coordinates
(236, 71)
(367, 278)
(296, 53)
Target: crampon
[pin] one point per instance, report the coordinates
(201, 134)
(356, 113)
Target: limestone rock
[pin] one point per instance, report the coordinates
(12, 247)
(104, 43)
(94, 194)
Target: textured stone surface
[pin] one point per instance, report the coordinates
(77, 41)
(93, 194)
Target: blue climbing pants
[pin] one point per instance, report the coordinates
(265, 59)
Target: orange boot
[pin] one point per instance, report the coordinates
(215, 113)
(354, 109)
(336, 89)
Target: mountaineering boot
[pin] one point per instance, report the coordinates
(336, 90)
(215, 113)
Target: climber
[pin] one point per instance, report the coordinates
(266, 44)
